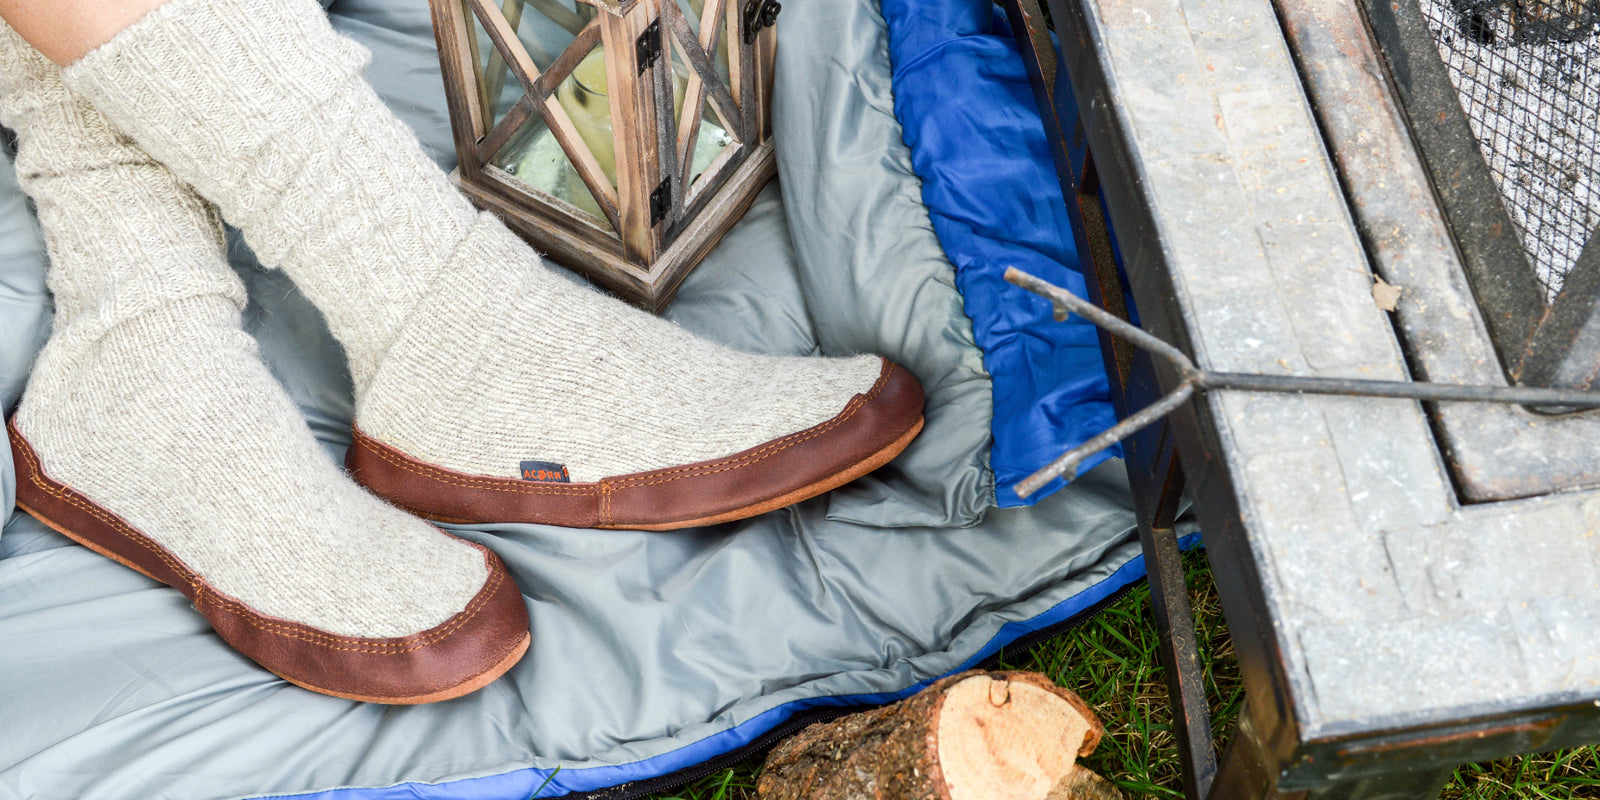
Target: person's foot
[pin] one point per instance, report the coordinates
(488, 387)
(604, 416)
(151, 432)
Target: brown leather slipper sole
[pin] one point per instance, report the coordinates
(458, 656)
(871, 430)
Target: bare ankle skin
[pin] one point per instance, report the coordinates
(66, 29)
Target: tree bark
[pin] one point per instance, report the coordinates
(973, 736)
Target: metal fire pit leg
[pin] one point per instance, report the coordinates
(1174, 616)
(1154, 473)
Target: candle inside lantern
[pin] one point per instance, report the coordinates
(583, 95)
(538, 159)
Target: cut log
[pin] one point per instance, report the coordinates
(973, 736)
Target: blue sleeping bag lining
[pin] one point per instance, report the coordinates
(962, 94)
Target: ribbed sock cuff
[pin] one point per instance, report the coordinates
(189, 59)
(124, 234)
(262, 107)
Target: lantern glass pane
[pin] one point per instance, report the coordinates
(715, 137)
(694, 11)
(711, 132)
(543, 29)
(534, 157)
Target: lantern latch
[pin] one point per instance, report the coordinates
(648, 47)
(759, 14)
(661, 201)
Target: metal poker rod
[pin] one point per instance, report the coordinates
(1193, 378)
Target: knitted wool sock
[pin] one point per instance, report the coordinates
(466, 352)
(150, 401)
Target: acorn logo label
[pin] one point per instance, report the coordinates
(545, 472)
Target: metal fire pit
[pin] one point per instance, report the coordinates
(1409, 585)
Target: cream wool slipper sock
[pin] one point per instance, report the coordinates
(488, 388)
(152, 433)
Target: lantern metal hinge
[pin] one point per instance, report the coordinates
(759, 14)
(661, 201)
(648, 47)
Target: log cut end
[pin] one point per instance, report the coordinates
(973, 736)
(1005, 737)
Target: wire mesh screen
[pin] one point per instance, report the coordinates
(1527, 73)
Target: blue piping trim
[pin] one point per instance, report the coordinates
(521, 784)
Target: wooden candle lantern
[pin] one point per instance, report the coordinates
(621, 137)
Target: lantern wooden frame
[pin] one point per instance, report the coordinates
(663, 219)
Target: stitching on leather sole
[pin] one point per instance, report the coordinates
(291, 630)
(508, 486)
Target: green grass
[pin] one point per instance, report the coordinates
(738, 783)
(1112, 662)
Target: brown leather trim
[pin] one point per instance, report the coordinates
(871, 430)
(460, 655)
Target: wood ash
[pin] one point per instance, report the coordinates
(1527, 73)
